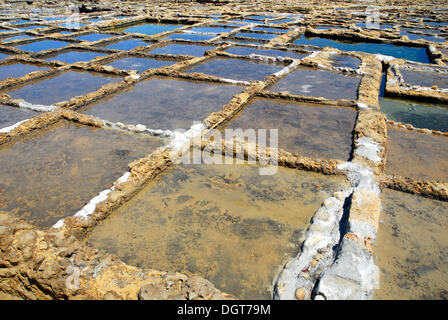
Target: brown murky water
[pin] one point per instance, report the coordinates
(223, 222)
(321, 132)
(417, 155)
(412, 247)
(51, 174)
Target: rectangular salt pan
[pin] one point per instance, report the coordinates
(61, 87)
(174, 104)
(126, 44)
(401, 52)
(10, 116)
(246, 51)
(225, 223)
(18, 70)
(236, 69)
(139, 64)
(54, 172)
(151, 28)
(411, 248)
(319, 83)
(76, 56)
(419, 114)
(313, 131)
(43, 45)
(176, 49)
(417, 155)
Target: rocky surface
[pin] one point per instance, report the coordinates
(48, 265)
(51, 264)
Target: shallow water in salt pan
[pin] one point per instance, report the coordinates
(61, 87)
(263, 36)
(225, 223)
(31, 27)
(127, 44)
(23, 36)
(419, 114)
(43, 45)
(246, 51)
(190, 36)
(53, 172)
(254, 41)
(17, 70)
(414, 36)
(412, 248)
(173, 103)
(417, 155)
(319, 132)
(75, 56)
(338, 60)
(93, 37)
(425, 78)
(236, 69)
(191, 50)
(216, 30)
(319, 83)
(11, 115)
(402, 52)
(152, 28)
(281, 21)
(271, 29)
(139, 64)
(376, 25)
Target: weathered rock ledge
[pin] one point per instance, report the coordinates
(46, 265)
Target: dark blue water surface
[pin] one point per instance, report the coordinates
(192, 50)
(190, 36)
(43, 45)
(76, 56)
(271, 29)
(262, 36)
(18, 70)
(211, 29)
(381, 26)
(152, 28)
(31, 27)
(413, 36)
(246, 51)
(93, 37)
(23, 36)
(402, 52)
(139, 64)
(127, 44)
